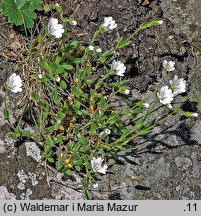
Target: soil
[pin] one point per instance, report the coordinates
(169, 167)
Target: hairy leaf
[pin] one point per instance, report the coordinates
(21, 11)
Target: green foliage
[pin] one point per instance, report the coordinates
(6, 114)
(21, 11)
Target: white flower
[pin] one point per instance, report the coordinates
(119, 67)
(99, 50)
(54, 28)
(195, 114)
(58, 79)
(165, 95)
(95, 185)
(109, 23)
(96, 165)
(127, 91)
(146, 105)
(160, 22)
(91, 48)
(108, 131)
(14, 82)
(178, 85)
(40, 76)
(73, 22)
(169, 65)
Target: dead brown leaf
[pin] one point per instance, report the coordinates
(146, 2)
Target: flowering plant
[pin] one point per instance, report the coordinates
(75, 122)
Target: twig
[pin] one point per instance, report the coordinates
(47, 176)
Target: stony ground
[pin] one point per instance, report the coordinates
(169, 166)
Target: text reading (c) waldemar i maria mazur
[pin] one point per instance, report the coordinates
(77, 207)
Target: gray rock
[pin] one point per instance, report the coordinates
(5, 195)
(183, 162)
(33, 150)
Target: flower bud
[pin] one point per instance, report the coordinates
(191, 114)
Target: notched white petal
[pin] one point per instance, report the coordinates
(109, 24)
(169, 65)
(54, 28)
(14, 83)
(118, 67)
(178, 85)
(97, 166)
(165, 95)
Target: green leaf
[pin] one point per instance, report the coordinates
(136, 111)
(26, 133)
(47, 66)
(124, 135)
(63, 85)
(78, 168)
(67, 66)
(61, 115)
(83, 74)
(69, 172)
(15, 135)
(87, 164)
(146, 129)
(115, 84)
(65, 106)
(51, 160)
(35, 96)
(123, 43)
(87, 194)
(36, 138)
(46, 8)
(75, 90)
(176, 110)
(58, 123)
(6, 113)
(74, 44)
(140, 104)
(59, 69)
(58, 59)
(125, 149)
(55, 97)
(93, 127)
(78, 112)
(59, 8)
(92, 102)
(105, 56)
(89, 82)
(40, 39)
(114, 119)
(21, 11)
(77, 104)
(81, 140)
(49, 142)
(103, 103)
(84, 112)
(75, 60)
(139, 124)
(20, 3)
(85, 96)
